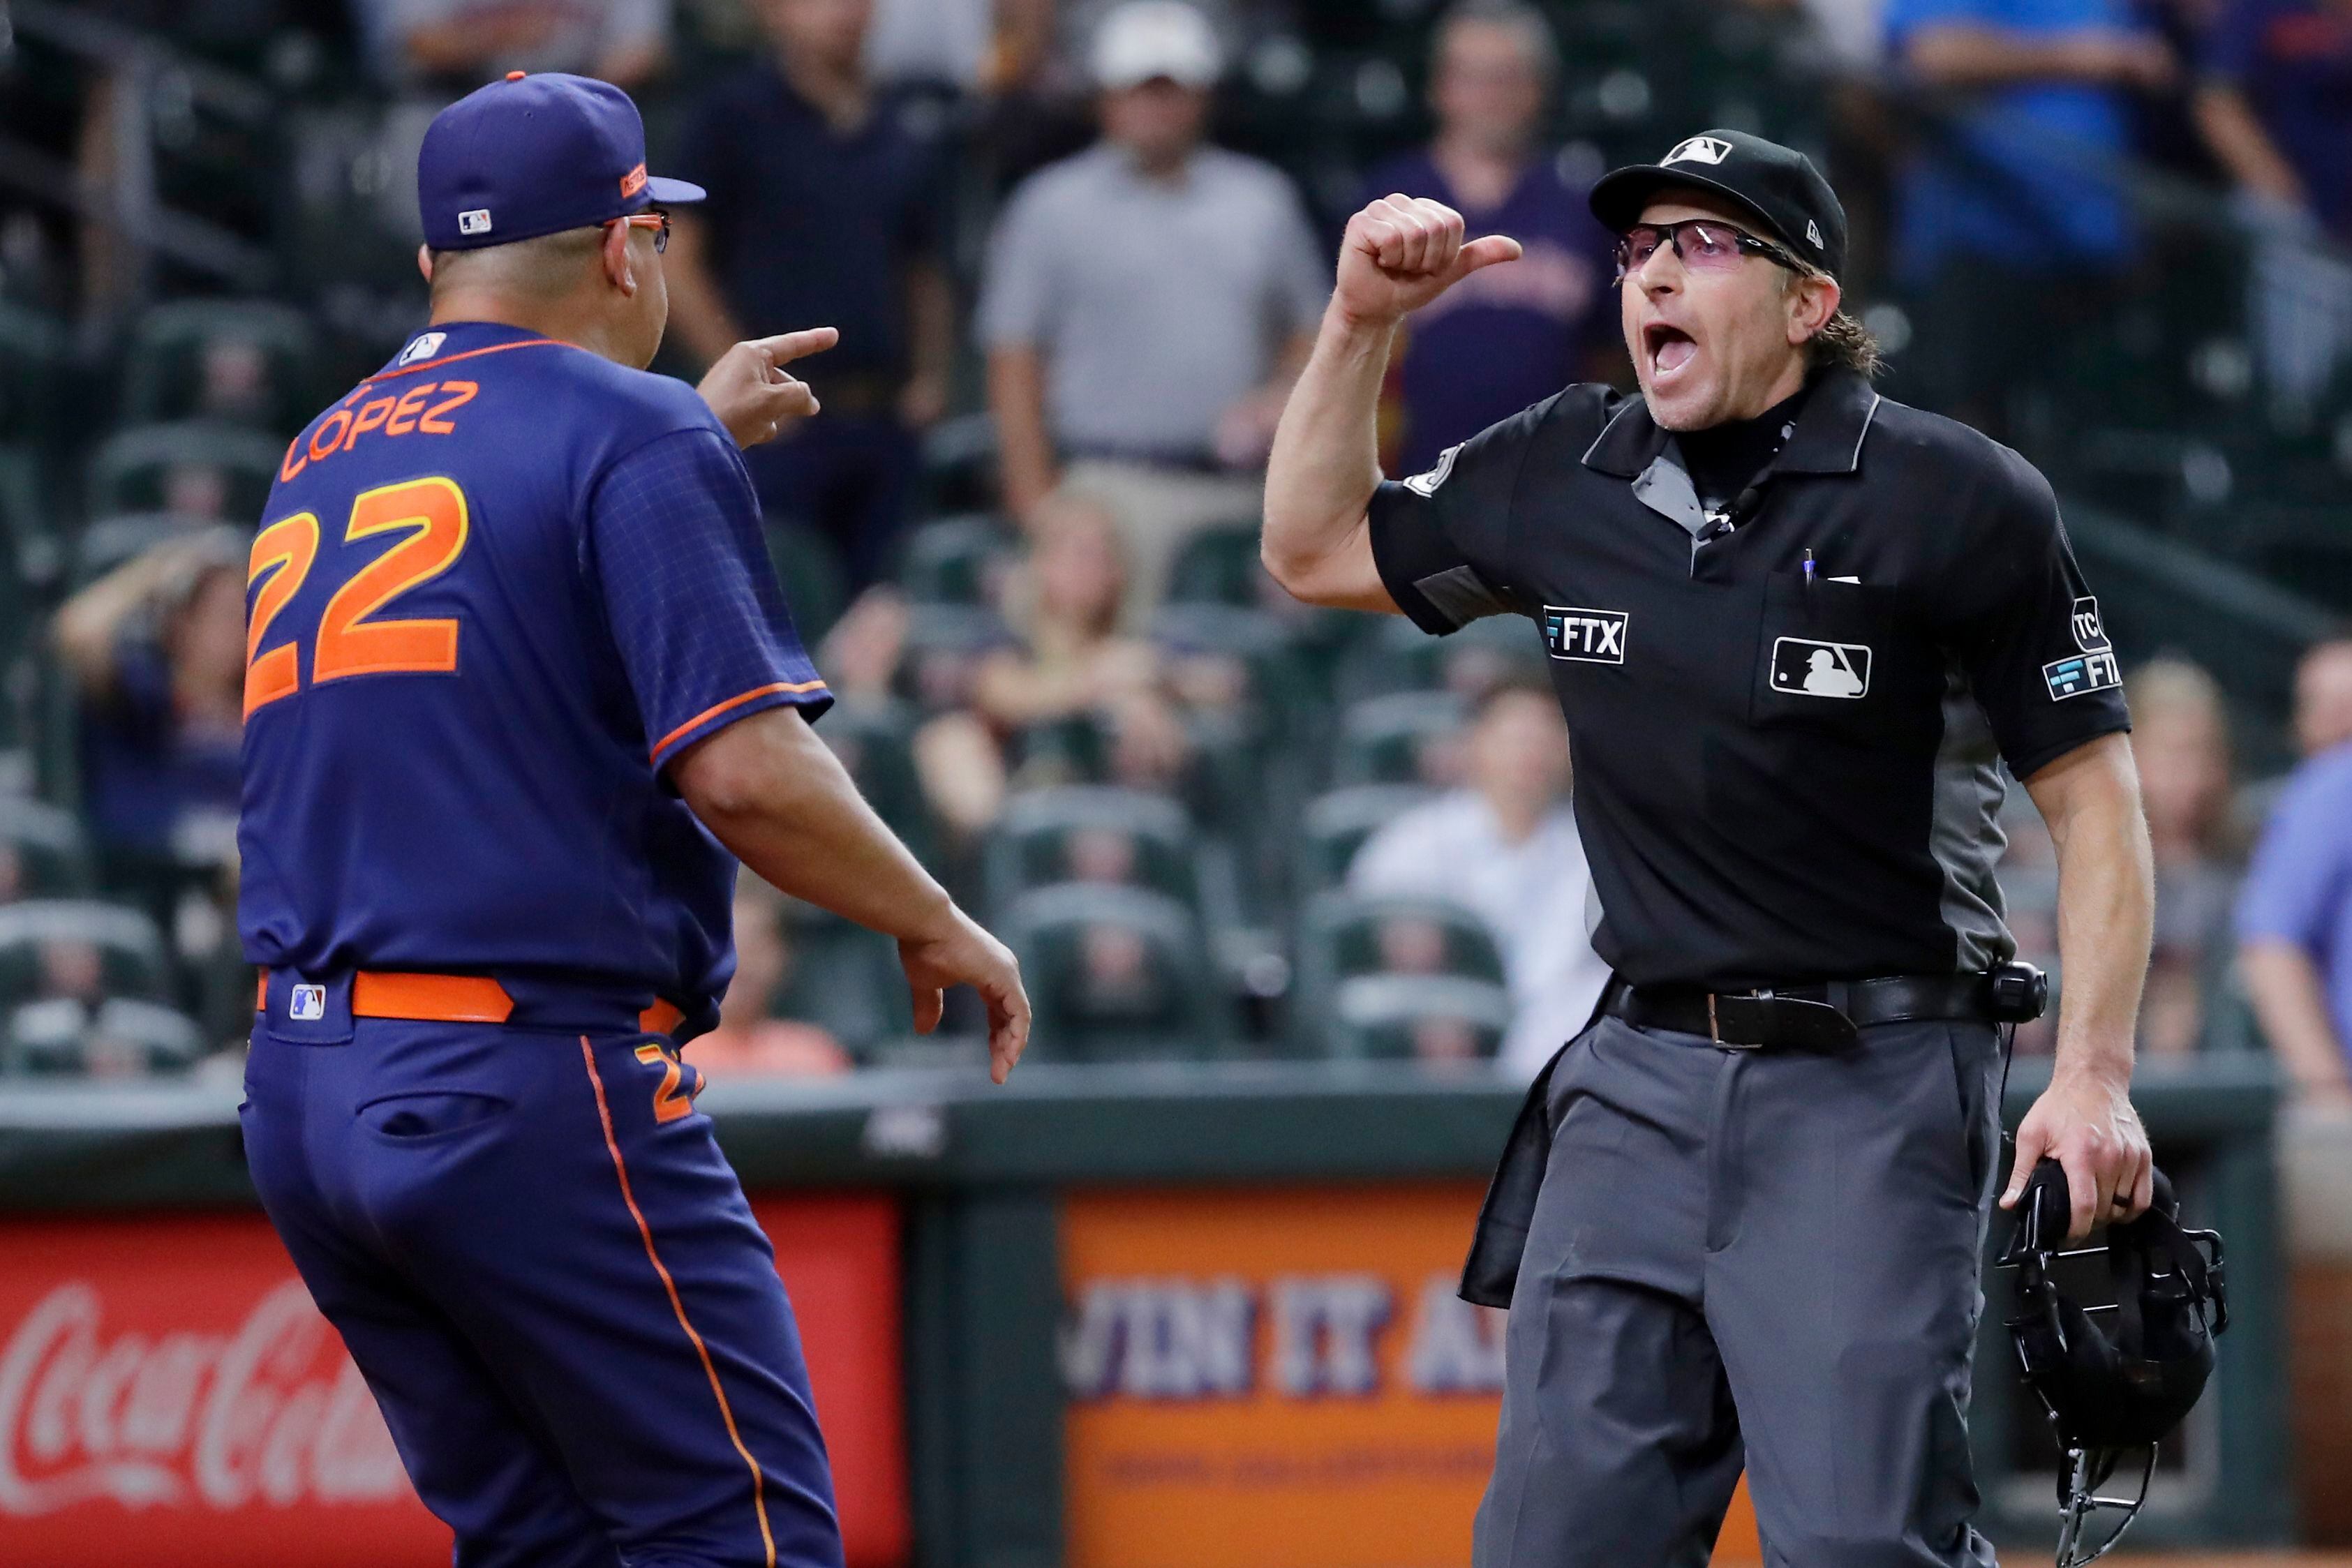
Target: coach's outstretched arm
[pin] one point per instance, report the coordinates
(1401, 253)
(775, 795)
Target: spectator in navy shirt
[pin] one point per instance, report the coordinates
(156, 648)
(1509, 336)
(823, 210)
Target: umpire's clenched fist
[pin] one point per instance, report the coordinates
(1401, 252)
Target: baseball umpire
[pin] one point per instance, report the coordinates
(519, 677)
(1794, 627)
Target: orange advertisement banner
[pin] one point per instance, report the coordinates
(1278, 1376)
(168, 1393)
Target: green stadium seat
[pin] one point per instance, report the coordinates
(64, 1036)
(1336, 824)
(957, 561)
(1344, 938)
(248, 362)
(816, 589)
(138, 469)
(1115, 974)
(847, 980)
(1430, 1018)
(1092, 833)
(79, 947)
(1400, 738)
(1399, 656)
(1219, 565)
(44, 852)
(874, 739)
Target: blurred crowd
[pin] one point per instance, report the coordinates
(1077, 251)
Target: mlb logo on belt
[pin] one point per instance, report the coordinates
(1589, 636)
(307, 1004)
(1802, 667)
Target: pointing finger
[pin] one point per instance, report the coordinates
(786, 347)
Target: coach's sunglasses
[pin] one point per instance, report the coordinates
(655, 220)
(1703, 245)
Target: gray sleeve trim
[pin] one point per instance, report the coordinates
(1461, 595)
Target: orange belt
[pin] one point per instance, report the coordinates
(449, 998)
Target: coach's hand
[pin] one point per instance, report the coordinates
(1401, 252)
(962, 954)
(749, 390)
(2085, 1121)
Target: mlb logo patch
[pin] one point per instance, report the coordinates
(2090, 631)
(1802, 667)
(477, 221)
(2089, 673)
(307, 1004)
(424, 348)
(1587, 636)
(1698, 150)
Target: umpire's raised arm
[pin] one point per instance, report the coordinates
(1401, 253)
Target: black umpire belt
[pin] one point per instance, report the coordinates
(1824, 1017)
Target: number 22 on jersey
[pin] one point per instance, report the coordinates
(351, 641)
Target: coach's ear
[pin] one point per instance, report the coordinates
(424, 262)
(617, 270)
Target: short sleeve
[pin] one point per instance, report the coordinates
(701, 626)
(1439, 538)
(2294, 888)
(1014, 302)
(2034, 643)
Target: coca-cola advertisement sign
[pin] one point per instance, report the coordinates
(169, 1395)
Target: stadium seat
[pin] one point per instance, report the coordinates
(1401, 739)
(163, 467)
(816, 589)
(1115, 974)
(109, 541)
(1344, 937)
(874, 739)
(1219, 565)
(44, 853)
(248, 362)
(79, 948)
(65, 1036)
(1399, 656)
(957, 561)
(945, 644)
(847, 980)
(1092, 833)
(1430, 1018)
(1336, 824)
(29, 529)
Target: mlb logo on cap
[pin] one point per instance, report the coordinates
(535, 155)
(1698, 150)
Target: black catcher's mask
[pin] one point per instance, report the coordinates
(2113, 1378)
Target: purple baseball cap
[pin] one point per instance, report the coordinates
(535, 155)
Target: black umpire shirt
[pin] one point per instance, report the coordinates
(1779, 778)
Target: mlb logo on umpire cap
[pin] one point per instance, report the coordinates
(1698, 150)
(307, 1004)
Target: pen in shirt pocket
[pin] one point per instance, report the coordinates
(1809, 569)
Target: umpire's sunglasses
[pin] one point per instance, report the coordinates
(1703, 245)
(655, 220)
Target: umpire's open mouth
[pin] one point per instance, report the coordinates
(1669, 349)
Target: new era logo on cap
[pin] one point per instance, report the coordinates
(1814, 232)
(475, 222)
(1697, 150)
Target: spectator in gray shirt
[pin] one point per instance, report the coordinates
(1148, 303)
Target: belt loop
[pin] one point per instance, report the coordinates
(1714, 1030)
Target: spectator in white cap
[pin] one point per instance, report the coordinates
(1148, 303)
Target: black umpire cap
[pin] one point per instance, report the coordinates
(1778, 184)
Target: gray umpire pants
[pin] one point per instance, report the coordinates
(1766, 1258)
